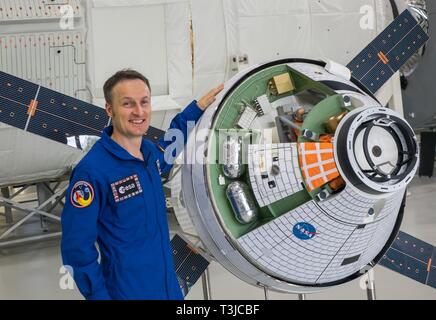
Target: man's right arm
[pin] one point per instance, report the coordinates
(79, 234)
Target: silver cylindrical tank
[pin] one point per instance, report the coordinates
(242, 203)
(232, 157)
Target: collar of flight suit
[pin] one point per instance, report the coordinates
(118, 151)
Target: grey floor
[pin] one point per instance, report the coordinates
(33, 271)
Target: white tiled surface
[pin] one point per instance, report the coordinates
(247, 118)
(275, 247)
(320, 259)
(350, 207)
(287, 182)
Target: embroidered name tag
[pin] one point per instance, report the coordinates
(126, 188)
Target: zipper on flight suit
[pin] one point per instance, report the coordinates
(147, 169)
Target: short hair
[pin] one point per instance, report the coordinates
(125, 74)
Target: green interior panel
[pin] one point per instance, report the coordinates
(316, 119)
(253, 87)
(319, 115)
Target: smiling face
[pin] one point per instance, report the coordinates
(130, 108)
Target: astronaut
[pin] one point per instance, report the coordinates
(115, 198)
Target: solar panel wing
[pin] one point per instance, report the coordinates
(378, 76)
(385, 55)
(192, 269)
(179, 251)
(395, 32)
(154, 134)
(189, 264)
(59, 116)
(17, 89)
(406, 48)
(50, 114)
(16, 96)
(13, 113)
(412, 258)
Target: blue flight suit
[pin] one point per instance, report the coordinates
(118, 200)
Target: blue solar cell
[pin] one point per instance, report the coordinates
(192, 269)
(432, 278)
(180, 250)
(56, 128)
(396, 31)
(377, 77)
(363, 62)
(13, 113)
(411, 257)
(405, 49)
(433, 258)
(17, 89)
(188, 264)
(57, 116)
(153, 134)
(431, 281)
(413, 247)
(69, 109)
(405, 265)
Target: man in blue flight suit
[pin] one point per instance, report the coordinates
(116, 199)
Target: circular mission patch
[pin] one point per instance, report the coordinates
(82, 194)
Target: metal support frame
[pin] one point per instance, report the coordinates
(205, 279)
(30, 239)
(8, 211)
(44, 192)
(301, 296)
(370, 285)
(20, 191)
(266, 293)
(5, 192)
(48, 199)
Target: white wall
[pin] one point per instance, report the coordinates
(129, 37)
(154, 37)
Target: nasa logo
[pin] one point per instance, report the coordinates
(82, 194)
(304, 231)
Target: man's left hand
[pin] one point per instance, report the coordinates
(210, 97)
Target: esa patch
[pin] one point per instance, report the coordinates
(82, 194)
(126, 188)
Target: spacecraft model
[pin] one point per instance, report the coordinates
(295, 177)
(296, 205)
